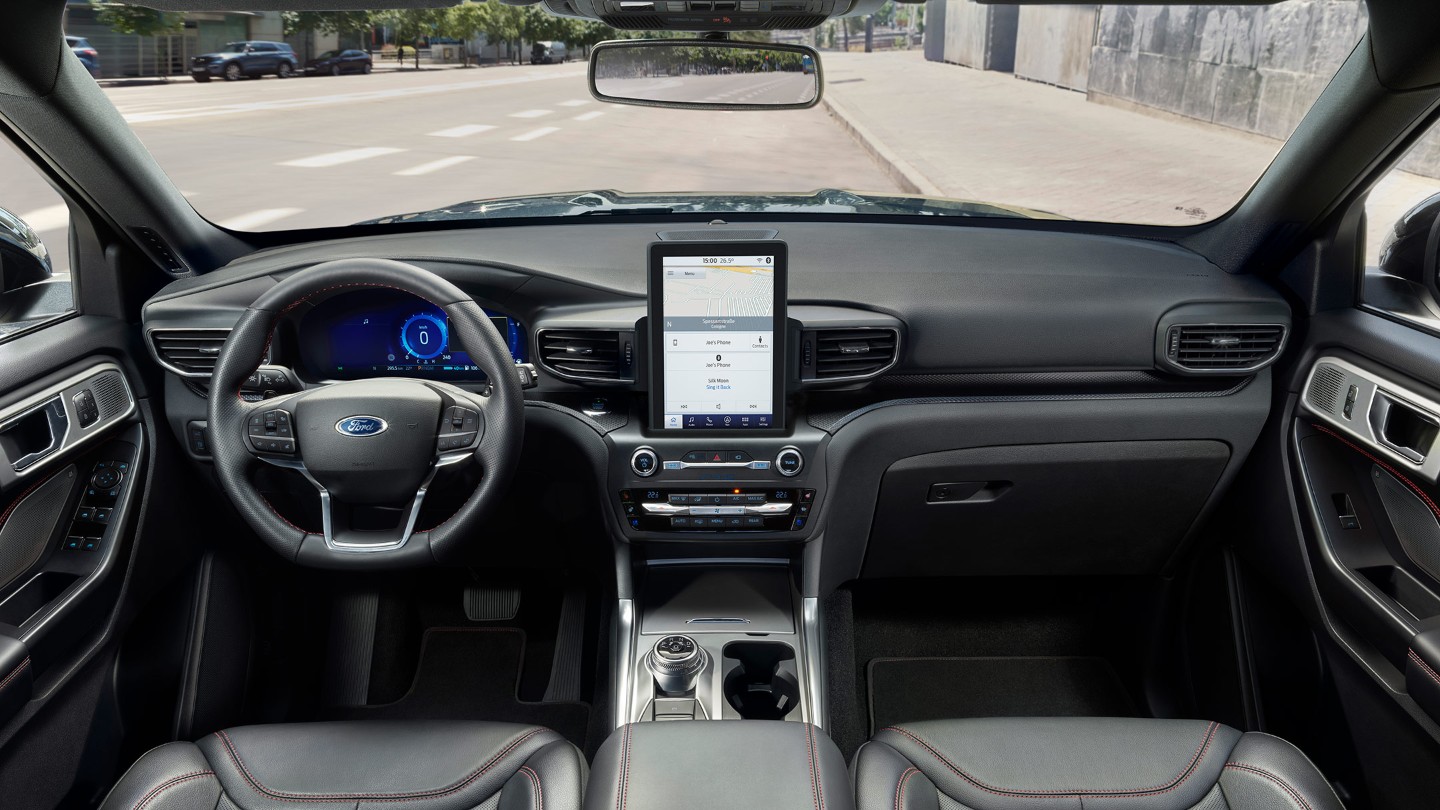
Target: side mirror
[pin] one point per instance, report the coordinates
(23, 257)
(707, 74)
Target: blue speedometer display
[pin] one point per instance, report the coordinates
(371, 335)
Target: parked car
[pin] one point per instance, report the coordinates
(337, 62)
(546, 53)
(246, 59)
(89, 57)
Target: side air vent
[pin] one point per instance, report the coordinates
(1223, 348)
(588, 355)
(188, 352)
(160, 251)
(839, 355)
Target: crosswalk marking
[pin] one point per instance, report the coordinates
(575, 102)
(590, 116)
(337, 158)
(529, 113)
(255, 219)
(462, 131)
(434, 166)
(535, 133)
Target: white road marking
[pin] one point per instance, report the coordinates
(462, 131)
(530, 114)
(590, 116)
(575, 102)
(434, 166)
(255, 219)
(48, 218)
(535, 133)
(336, 158)
(175, 113)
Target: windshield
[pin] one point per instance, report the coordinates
(234, 47)
(328, 55)
(1117, 113)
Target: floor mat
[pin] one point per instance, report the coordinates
(908, 689)
(472, 673)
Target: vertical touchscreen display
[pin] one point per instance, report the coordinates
(718, 342)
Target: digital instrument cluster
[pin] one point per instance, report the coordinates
(379, 334)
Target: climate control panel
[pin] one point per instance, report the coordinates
(737, 509)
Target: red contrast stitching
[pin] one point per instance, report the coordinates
(810, 760)
(1411, 484)
(1413, 656)
(15, 504)
(535, 780)
(164, 786)
(376, 797)
(900, 786)
(1285, 786)
(14, 672)
(284, 519)
(620, 798)
(1119, 793)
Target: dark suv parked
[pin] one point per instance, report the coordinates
(242, 59)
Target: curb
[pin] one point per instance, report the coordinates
(910, 179)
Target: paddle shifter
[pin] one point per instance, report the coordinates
(676, 662)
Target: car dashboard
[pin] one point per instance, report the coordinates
(979, 376)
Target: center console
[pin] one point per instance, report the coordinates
(714, 491)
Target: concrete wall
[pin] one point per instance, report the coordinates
(1253, 68)
(980, 36)
(1053, 44)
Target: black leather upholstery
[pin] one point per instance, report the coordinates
(719, 765)
(1422, 671)
(1094, 763)
(16, 676)
(427, 765)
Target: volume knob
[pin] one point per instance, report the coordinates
(644, 462)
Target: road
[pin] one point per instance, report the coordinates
(270, 154)
(770, 88)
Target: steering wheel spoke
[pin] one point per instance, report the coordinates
(371, 448)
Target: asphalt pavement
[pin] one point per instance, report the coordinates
(272, 154)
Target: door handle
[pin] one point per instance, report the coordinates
(35, 434)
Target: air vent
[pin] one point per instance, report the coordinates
(1223, 348)
(588, 355)
(188, 352)
(836, 355)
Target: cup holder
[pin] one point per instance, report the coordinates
(761, 682)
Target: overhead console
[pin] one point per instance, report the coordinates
(711, 15)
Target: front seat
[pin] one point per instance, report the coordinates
(1075, 762)
(435, 765)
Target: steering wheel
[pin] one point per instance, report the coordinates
(366, 443)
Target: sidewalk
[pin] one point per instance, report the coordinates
(946, 130)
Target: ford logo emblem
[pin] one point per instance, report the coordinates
(361, 426)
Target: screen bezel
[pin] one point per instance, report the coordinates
(655, 302)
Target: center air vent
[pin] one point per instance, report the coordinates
(588, 355)
(188, 352)
(1223, 348)
(837, 355)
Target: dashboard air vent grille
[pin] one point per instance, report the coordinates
(1224, 347)
(588, 355)
(188, 352)
(848, 354)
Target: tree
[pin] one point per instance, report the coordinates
(412, 25)
(328, 22)
(139, 21)
(465, 21)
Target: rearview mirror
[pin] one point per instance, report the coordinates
(706, 74)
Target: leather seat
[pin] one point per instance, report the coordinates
(1094, 763)
(435, 765)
